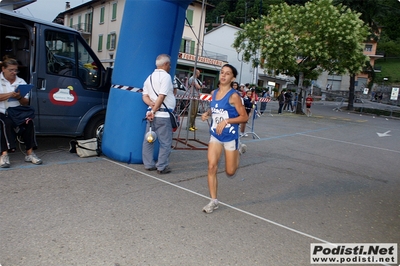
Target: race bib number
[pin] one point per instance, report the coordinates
(219, 118)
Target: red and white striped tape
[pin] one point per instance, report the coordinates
(208, 97)
(202, 97)
(265, 100)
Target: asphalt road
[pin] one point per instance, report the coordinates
(329, 178)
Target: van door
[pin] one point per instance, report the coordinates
(69, 88)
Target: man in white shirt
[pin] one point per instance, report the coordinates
(158, 88)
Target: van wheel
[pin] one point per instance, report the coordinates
(94, 128)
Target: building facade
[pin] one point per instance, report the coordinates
(341, 83)
(99, 21)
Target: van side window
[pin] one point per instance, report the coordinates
(88, 70)
(67, 56)
(61, 53)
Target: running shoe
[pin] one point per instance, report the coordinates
(33, 158)
(4, 161)
(211, 206)
(242, 148)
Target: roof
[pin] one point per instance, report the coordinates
(16, 3)
(87, 4)
(222, 26)
(21, 17)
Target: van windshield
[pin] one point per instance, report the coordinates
(67, 56)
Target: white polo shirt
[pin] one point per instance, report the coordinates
(162, 84)
(6, 87)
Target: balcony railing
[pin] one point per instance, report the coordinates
(83, 27)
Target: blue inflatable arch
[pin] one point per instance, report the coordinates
(148, 28)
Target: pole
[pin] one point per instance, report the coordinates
(192, 87)
(252, 125)
(299, 105)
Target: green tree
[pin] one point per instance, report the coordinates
(384, 13)
(303, 41)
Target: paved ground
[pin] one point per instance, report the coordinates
(326, 178)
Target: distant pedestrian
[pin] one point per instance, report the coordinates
(296, 98)
(373, 95)
(235, 86)
(265, 96)
(281, 100)
(246, 87)
(254, 99)
(197, 86)
(288, 101)
(248, 103)
(309, 101)
(242, 90)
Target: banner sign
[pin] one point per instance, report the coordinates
(395, 94)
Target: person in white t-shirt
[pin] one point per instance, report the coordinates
(10, 98)
(158, 88)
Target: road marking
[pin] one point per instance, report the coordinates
(350, 143)
(340, 118)
(229, 206)
(386, 134)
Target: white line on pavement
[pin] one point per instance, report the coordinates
(229, 206)
(350, 143)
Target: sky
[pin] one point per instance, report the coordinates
(48, 9)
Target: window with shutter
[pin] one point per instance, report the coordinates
(114, 11)
(189, 17)
(100, 44)
(102, 15)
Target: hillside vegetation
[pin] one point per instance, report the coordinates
(382, 13)
(390, 70)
